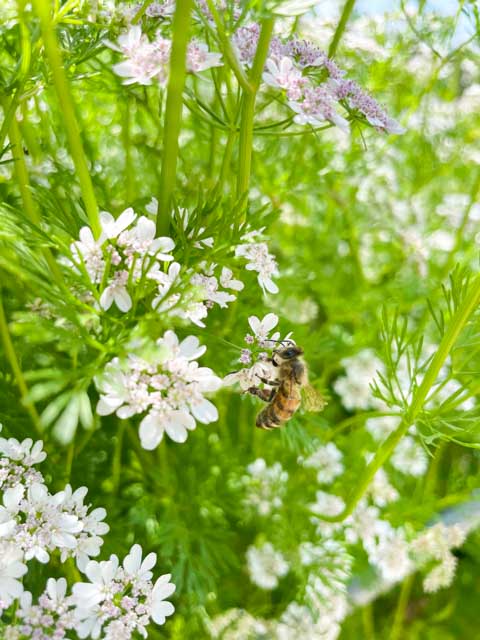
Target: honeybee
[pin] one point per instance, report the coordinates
(288, 390)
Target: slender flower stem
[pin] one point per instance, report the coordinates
(458, 322)
(347, 10)
(16, 368)
(228, 50)
(29, 203)
(140, 13)
(127, 144)
(173, 111)
(248, 108)
(65, 99)
(397, 630)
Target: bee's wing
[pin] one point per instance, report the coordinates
(312, 400)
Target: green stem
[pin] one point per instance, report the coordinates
(16, 368)
(228, 50)
(347, 10)
(458, 322)
(173, 111)
(129, 170)
(65, 99)
(28, 202)
(140, 13)
(368, 622)
(398, 630)
(117, 456)
(248, 108)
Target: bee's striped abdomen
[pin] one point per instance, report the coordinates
(284, 404)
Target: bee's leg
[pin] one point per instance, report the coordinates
(263, 394)
(271, 383)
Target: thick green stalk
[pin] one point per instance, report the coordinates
(16, 368)
(347, 10)
(65, 99)
(173, 112)
(458, 322)
(248, 108)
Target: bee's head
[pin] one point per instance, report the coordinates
(288, 352)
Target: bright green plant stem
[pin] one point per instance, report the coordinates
(347, 10)
(398, 629)
(248, 108)
(228, 51)
(173, 111)
(458, 322)
(65, 99)
(16, 368)
(29, 204)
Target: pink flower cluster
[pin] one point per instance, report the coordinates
(289, 67)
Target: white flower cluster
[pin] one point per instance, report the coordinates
(259, 259)
(35, 522)
(299, 621)
(435, 545)
(261, 345)
(165, 383)
(264, 487)
(354, 386)
(327, 461)
(266, 565)
(119, 261)
(147, 61)
(118, 601)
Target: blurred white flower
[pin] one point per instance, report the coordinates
(266, 566)
(264, 486)
(199, 58)
(409, 457)
(327, 460)
(354, 387)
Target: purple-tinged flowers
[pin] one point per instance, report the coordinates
(147, 61)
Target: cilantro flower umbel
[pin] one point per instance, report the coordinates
(166, 385)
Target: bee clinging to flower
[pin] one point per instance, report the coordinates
(288, 390)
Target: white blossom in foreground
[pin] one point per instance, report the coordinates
(52, 617)
(124, 260)
(265, 566)
(17, 460)
(120, 600)
(12, 569)
(327, 461)
(166, 384)
(38, 523)
(354, 387)
(264, 487)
